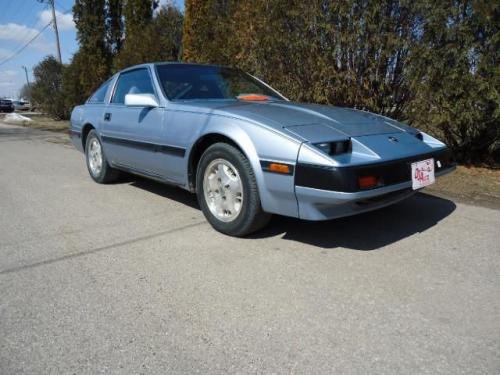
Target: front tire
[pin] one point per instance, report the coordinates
(227, 191)
(97, 164)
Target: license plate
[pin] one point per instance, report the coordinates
(422, 173)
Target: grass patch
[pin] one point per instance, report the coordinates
(470, 184)
(42, 122)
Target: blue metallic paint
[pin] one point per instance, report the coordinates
(275, 130)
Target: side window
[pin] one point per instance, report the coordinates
(100, 94)
(134, 82)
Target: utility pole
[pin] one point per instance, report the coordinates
(57, 31)
(27, 80)
(54, 23)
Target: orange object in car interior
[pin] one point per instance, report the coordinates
(253, 97)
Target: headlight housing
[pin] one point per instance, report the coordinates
(335, 147)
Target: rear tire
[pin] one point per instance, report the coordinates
(97, 164)
(227, 191)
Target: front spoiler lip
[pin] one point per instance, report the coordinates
(330, 196)
(345, 178)
(318, 204)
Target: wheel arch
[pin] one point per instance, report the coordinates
(85, 132)
(276, 192)
(199, 148)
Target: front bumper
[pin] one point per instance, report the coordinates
(325, 203)
(345, 178)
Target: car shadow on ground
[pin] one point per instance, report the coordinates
(167, 191)
(367, 231)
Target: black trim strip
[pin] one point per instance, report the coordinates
(153, 147)
(141, 172)
(345, 179)
(266, 163)
(76, 133)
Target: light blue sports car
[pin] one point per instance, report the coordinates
(245, 150)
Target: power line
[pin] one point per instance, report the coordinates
(25, 45)
(19, 50)
(29, 14)
(22, 48)
(30, 26)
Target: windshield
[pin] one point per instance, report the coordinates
(182, 81)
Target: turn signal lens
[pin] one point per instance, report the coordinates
(279, 168)
(367, 182)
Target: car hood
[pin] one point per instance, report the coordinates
(373, 137)
(313, 122)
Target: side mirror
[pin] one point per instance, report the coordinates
(141, 100)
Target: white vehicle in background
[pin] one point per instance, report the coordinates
(21, 105)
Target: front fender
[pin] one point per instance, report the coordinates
(258, 143)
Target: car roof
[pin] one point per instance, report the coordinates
(167, 63)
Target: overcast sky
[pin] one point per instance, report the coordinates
(20, 21)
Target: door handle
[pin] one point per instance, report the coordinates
(107, 116)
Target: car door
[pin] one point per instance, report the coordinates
(96, 104)
(131, 134)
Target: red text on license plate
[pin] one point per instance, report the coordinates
(422, 173)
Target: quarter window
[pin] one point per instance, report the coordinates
(135, 81)
(100, 94)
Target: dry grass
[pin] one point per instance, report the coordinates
(46, 123)
(43, 123)
(470, 184)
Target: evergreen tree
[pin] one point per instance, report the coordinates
(454, 77)
(138, 28)
(430, 63)
(26, 93)
(72, 87)
(114, 25)
(92, 62)
(206, 30)
(46, 90)
(165, 36)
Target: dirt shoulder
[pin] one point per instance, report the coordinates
(472, 185)
(39, 122)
